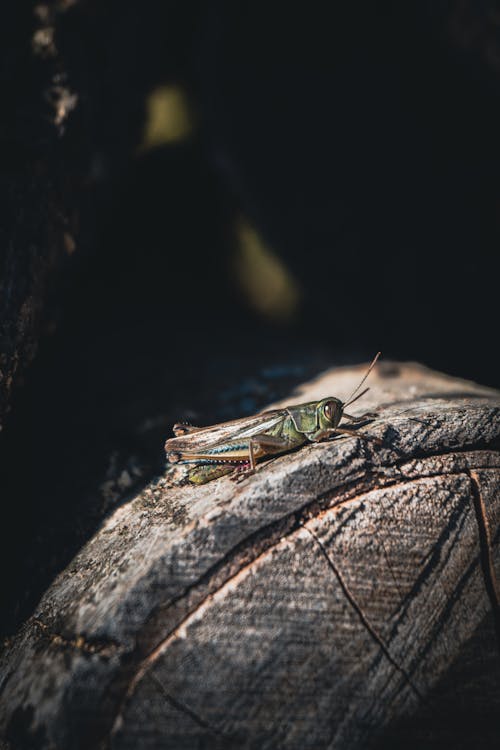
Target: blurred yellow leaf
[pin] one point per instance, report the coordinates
(266, 282)
(168, 117)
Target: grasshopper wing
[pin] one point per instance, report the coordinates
(217, 434)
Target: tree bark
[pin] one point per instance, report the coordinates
(37, 186)
(320, 603)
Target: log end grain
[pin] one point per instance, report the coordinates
(320, 603)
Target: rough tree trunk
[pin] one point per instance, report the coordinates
(314, 605)
(38, 218)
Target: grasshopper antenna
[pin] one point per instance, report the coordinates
(352, 398)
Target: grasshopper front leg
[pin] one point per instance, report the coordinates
(323, 434)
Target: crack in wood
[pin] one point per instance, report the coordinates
(259, 543)
(455, 524)
(378, 472)
(182, 707)
(278, 532)
(362, 616)
(439, 625)
(486, 557)
(146, 663)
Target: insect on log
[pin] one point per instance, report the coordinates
(343, 596)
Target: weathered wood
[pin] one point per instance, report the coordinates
(316, 604)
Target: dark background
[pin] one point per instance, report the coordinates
(362, 145)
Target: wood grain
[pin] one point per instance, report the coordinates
(317, 604)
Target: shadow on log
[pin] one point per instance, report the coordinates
(318, 604)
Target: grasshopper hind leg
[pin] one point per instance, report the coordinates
(201, 474)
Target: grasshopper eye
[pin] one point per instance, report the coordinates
(329, 410)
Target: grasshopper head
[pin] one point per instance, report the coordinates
(329, 412)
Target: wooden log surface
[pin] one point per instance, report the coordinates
(313, 605)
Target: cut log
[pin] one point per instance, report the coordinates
(316, 604)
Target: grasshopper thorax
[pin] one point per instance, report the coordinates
(329, 412)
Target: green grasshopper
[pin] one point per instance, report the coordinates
(236, 446)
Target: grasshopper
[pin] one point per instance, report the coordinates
(235, 447)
